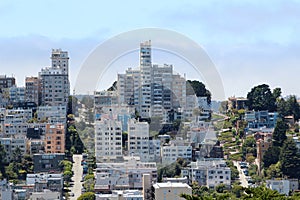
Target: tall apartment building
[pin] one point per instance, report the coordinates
(108, 140)
(55, 80)
(152, 89)
(33, 89)
(55, 138)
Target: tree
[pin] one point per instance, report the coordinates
(261, 98)
(2, 160)
(279, 135)
(290, 159)
(271, 156)
(197, 88)
(87, 196)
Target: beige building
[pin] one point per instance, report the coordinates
(33, 89)
(55, 138)
(171, 191)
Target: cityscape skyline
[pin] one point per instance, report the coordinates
(243, 39)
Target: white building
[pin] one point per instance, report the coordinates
(55, 80)
(208, 172)
(176, 149)
(139, 142)
(171, 191)
(126, 175)
(283, 186)
(108, 140)
(152, 89)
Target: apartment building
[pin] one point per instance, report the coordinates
(208, 172)
(176, 149)
(126, 175)
(108, 140)
(33, 89)
(139, 142)
(16, 94)
(55, 138)
(12, 143)
(52, 114)
(55, 80)
(152, 89)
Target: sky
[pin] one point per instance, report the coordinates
(250, 42)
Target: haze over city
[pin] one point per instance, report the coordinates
(250, 42)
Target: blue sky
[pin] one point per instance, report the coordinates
(250, 42)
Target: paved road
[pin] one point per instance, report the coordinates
(77, 169)
(242, 176)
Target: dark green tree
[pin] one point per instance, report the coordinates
(198, 88)
(2, 160)
(293, 107)
(271, 156)
(279, 135)
(290, 159)
(261, 98)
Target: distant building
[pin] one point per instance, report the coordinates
(261, 119)
(48, 162)
(171, 191)
(16, 94)
(33, 90)
(152, 89)
(237, 103)
(7, 82)
(52, 114)
(55, 80)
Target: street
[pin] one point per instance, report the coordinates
(77, 169)
(242, 176)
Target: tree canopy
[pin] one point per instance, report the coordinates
(290, 159)
(198, 88)
(261, 98)
(279, 135)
